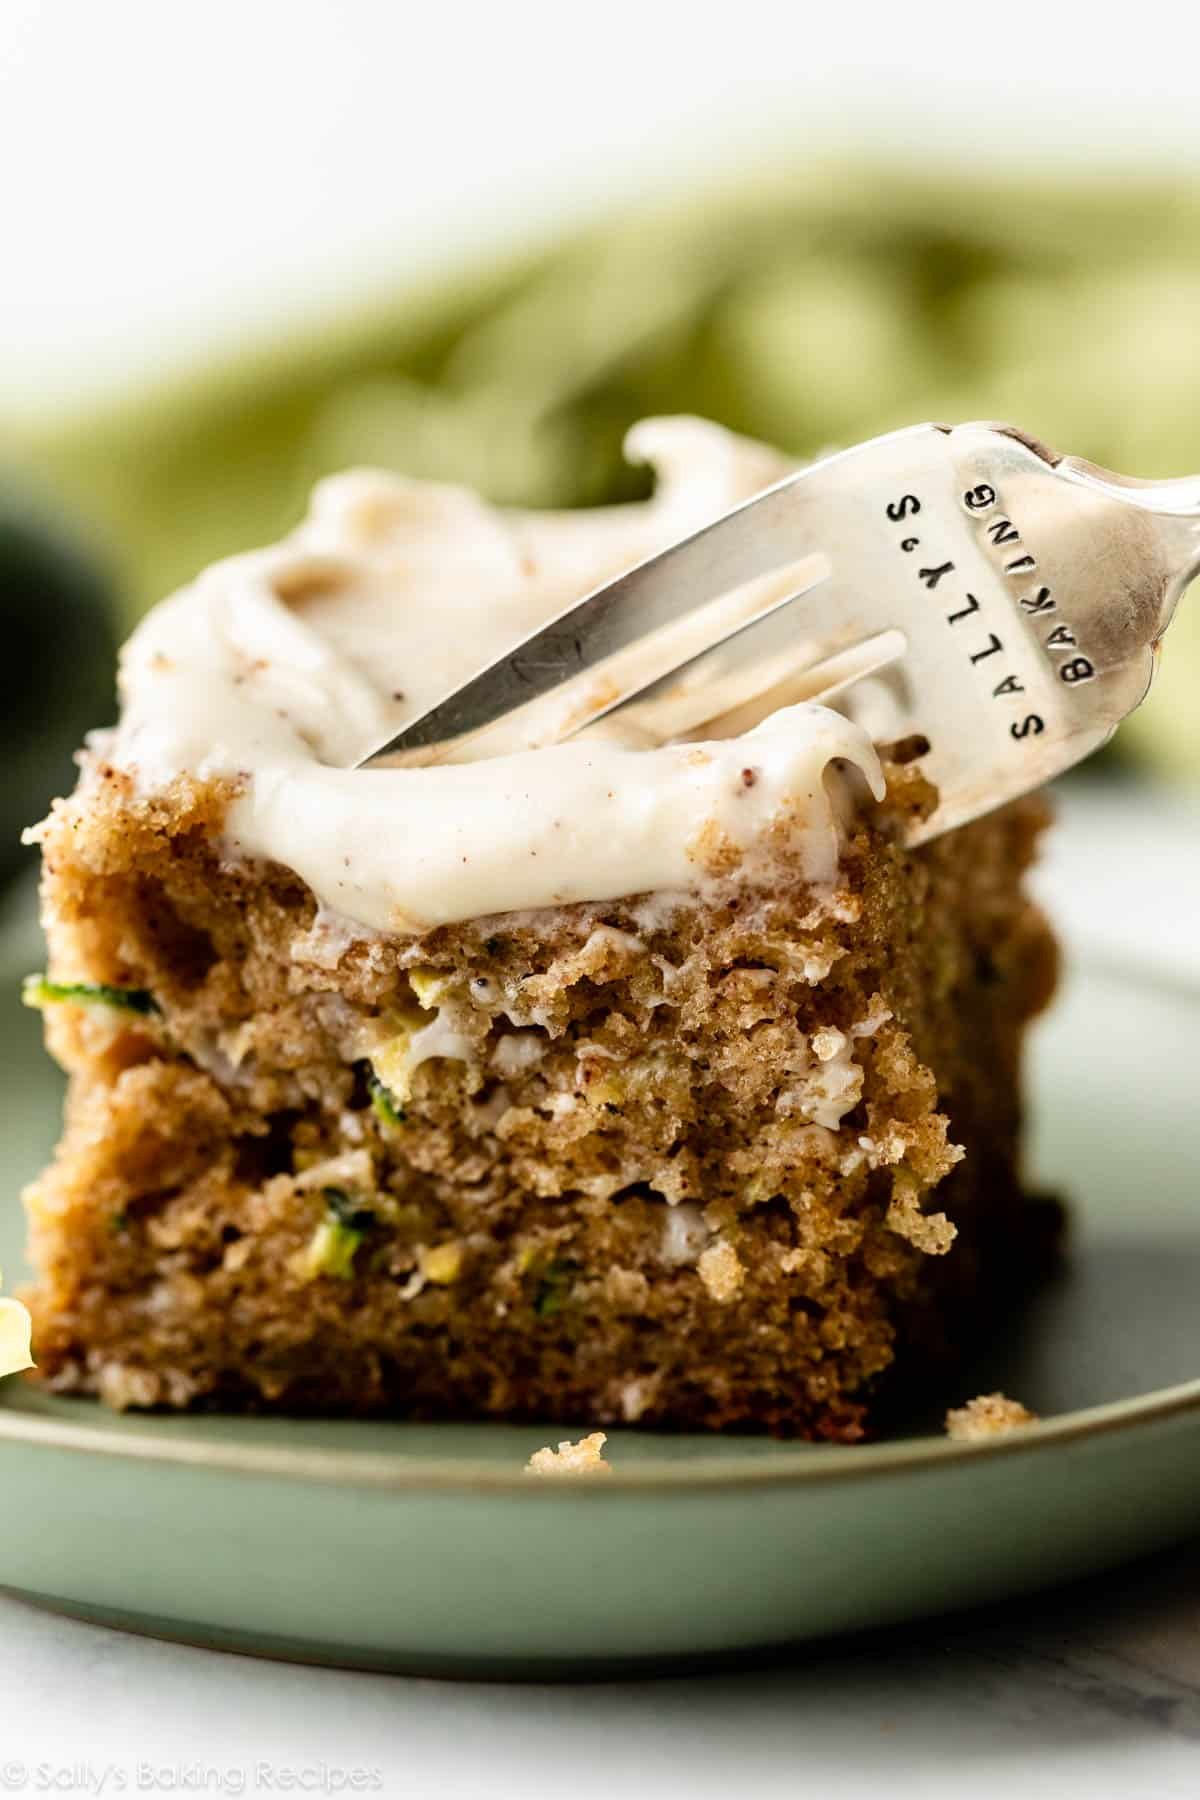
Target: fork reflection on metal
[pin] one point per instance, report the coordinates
(1001, 601)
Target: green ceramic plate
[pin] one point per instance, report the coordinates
(425, 1547)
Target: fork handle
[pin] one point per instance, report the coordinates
(1175, 507)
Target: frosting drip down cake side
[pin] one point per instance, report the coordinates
(621, 1081)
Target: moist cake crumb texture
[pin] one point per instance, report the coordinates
(703, 1163)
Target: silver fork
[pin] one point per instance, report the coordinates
(960, 585)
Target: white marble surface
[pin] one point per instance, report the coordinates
(1093, 1690)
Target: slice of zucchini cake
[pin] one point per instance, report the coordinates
(610, 1081)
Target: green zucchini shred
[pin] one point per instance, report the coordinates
(331, 1250)
(383, 1102)
(554, 1288)
(334, 1243)
(346, 1211)
(37, 991)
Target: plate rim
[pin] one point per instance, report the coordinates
(807, 1464)
(804, 1465)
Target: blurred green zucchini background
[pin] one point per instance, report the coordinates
(810, 308)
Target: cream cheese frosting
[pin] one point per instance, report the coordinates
(283, 667)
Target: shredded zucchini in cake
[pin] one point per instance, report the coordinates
(409, 1036)
(332, 1247)
(383, 1102)
(441, 1263)
(39, 992)
(553, 1291)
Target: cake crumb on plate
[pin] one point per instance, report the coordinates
(584, 1458)
(987, 1415)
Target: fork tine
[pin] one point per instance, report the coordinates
(760, 665)
(820, 682)
(1009, 602)
(662, 676)
(728, 671)
(766, 533)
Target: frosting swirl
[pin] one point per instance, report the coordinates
(282, 667)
